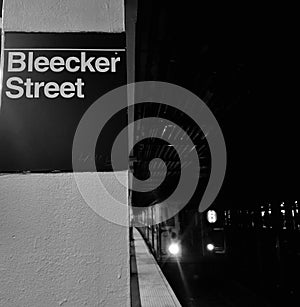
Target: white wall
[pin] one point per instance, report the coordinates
(54, 250)
(63, 15)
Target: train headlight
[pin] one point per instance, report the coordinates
(174, 249)
(210, 247)
(211, 216)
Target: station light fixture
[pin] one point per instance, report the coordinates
(211, 216)
(174, 249)
(210, 247)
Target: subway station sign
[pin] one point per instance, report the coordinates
(49, 80)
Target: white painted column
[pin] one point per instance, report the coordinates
(63, 15)
(54, 249)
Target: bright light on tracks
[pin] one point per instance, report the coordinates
(174, 249)
(210, 247)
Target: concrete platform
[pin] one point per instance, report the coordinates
(154, 289)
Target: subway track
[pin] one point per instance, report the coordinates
(206, 285)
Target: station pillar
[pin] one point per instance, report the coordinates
(55, 250)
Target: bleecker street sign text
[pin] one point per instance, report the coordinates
(30, 63)
(49, 81)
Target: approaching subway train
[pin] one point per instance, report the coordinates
(269, 229)
(188, 236)
(261, 240)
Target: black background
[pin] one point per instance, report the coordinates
(238, 58)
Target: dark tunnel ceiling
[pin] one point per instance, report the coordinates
(222, 55)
